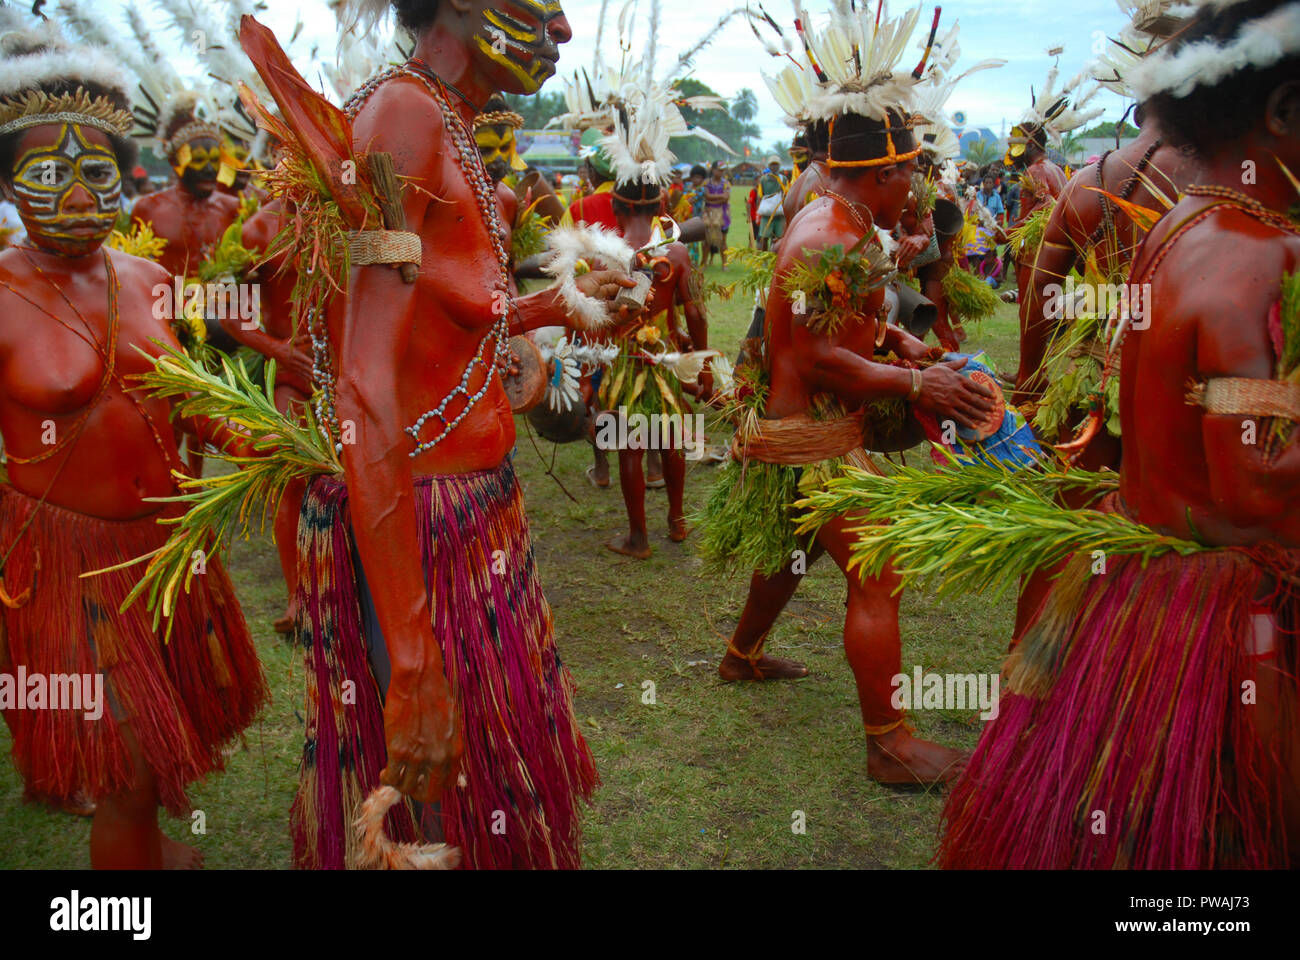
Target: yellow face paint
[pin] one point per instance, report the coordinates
(45, 180)
(515, 36)
(499, 148)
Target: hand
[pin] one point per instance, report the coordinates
(704, 386)
(298, 363)
(423, 736)
(604, 284)
(912, 348)
(912, 245)
(947, 394)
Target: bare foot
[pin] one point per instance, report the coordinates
(769, 668)
(677, 529)
(899, 757)
(629, 547)
(284, 624)
(179, 856)
(598, 475)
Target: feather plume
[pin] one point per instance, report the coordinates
(366, 14)
(378, 852)
(860, 54)
(34, 52)
(1259, 44)
(688, 57)
(568, 245)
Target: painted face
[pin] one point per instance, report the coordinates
(520, 41)
(1017, 143)
(231, 161)
(67, 187)
(197, 163)
(500, 155)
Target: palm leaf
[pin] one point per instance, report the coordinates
(977, 527)
(230, 504)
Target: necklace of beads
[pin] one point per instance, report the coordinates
(471, 166)
(851, 207)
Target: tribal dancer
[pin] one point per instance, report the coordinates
(935, 182)
(417, 570)
(1152, 716)
(1049, 116)
(86, 451)
(1086, 223)
(1092, 234)
(521, 197)
(191, 214)
(810, 182)
(816, 383)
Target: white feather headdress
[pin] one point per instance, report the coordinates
(1259, 44)
(36, 58)
(859, 53)
(1057, 112)
(930, 125)
(640, 114)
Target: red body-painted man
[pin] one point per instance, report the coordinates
(636, 208)
(819, 372)
(86, 449)
(429, 521)
(192, 213)
(1189, 659)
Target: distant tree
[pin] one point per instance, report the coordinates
(538, 108)
(745, 105)
(1107, 130)
(981, 152)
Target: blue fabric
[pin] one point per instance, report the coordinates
(1014, 434)
(992, 202)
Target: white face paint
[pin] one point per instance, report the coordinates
(50, 177)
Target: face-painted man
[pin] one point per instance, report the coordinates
(494, 131)
(197, 163)
(518, 42)
(67, 187)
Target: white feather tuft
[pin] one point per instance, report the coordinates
(568, 245)
(1259, 44)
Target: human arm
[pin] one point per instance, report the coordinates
(372, 328)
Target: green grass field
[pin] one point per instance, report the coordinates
(711, 775)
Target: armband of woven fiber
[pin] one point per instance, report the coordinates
(383, 246)
(1238, 395)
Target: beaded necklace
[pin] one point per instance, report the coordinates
(471, 166)
(851, 207)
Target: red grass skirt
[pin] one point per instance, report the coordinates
(525, 763)
(182, 700)
(1124, 741)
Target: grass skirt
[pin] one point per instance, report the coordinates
(183, 700)
(1124, 741)
(525, 763)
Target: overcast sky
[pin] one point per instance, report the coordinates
(1019, 31)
